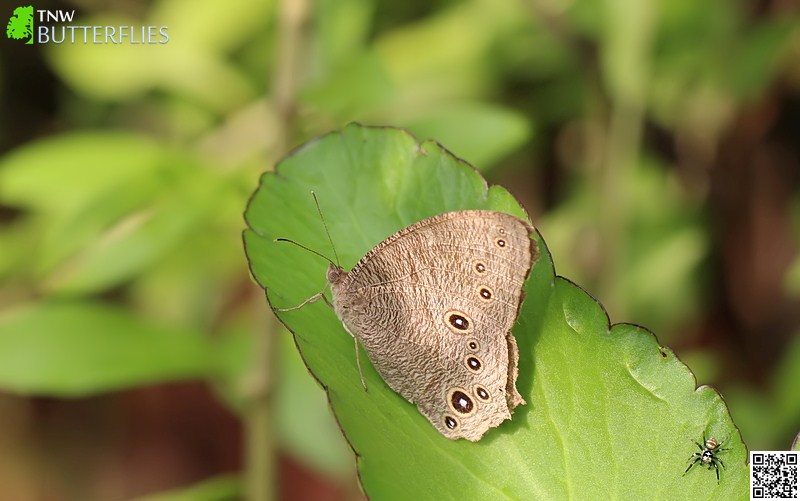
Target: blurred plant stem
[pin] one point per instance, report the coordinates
(625, 72)
(261, 446)
(622, 140)
(259, 416)
(293, 18)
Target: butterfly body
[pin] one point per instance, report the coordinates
(433, 306)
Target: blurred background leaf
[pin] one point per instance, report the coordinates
(75, 349)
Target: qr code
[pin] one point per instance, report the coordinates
(773, 475)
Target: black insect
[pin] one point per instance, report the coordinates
(708, 455)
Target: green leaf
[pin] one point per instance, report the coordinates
(352, 88)
(482, 133)
(610, 413)
(133, 242)
(79, 348)
(61, 174)
(110, 205)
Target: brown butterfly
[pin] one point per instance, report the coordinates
(433, 306)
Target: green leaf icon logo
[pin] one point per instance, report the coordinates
(20, 24)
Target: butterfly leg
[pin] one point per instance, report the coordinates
(316, 297)
(358, 358)
(358, 364)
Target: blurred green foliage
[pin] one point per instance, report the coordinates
(120, 255)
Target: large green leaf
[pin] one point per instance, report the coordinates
(75, 348)
(610, 413)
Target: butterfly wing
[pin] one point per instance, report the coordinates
(433, 306)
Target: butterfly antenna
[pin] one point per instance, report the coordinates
(304, 247)
(326, 229)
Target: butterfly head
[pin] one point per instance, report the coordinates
(335, 274)
(346, 303)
